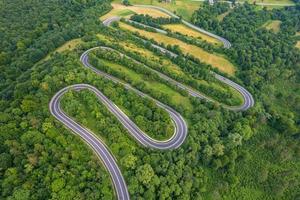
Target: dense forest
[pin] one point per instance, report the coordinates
(227, 155)
(32, 29)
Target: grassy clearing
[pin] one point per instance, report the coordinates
(70, 45)
(273, 25)
(216, 61)
(222, 16)
(181, 28)
(175, 97)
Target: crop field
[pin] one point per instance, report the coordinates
(216, 61)
(181, 28)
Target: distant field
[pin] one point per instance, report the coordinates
(123, 11)
(184, 8)
(181, 28)
(215, 60)
(273, 25)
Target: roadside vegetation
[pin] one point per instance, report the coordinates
(137, 76)
(200, 79)
(215, 60)
(191, 33)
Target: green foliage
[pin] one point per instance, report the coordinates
(269, 65)
(32, 29)
(145, 174)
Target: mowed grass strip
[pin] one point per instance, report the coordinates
(216, 61)
(175, 97)
(273, 25)
(183, 29)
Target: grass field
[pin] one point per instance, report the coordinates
(273, 25)
(184, 8)
(216, 61)
(181, 28)
(153, 85)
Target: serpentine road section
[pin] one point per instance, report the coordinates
(180, 127)
(247, 97)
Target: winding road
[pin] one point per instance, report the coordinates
(102, 151)
(225, 42)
